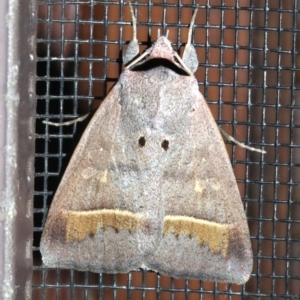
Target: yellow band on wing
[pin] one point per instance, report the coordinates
(214, 235)
(82, 223)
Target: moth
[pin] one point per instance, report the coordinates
(150, 184)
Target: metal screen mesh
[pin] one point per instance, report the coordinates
(248, 73)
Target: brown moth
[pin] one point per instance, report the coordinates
(150, 183)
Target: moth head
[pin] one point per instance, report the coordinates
(162, 49)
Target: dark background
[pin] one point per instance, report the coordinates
(248, 72)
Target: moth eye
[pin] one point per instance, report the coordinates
(165, 145)
(142, 141)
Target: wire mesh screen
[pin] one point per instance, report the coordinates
(248, 73)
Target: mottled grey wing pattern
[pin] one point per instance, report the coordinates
(150, 184)
(98, 220)
(205, 229)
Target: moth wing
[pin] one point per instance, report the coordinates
(205, 228)
(92, 223)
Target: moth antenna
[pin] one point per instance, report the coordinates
(158, 33)
(134, 27)
(189, 41)
(67, 123)
(242, 145)
(132, 49)
(189, 58)
(167, 33)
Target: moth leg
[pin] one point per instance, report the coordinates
(132, 49)
(242, 145)
(67, 123)
(189, 57)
